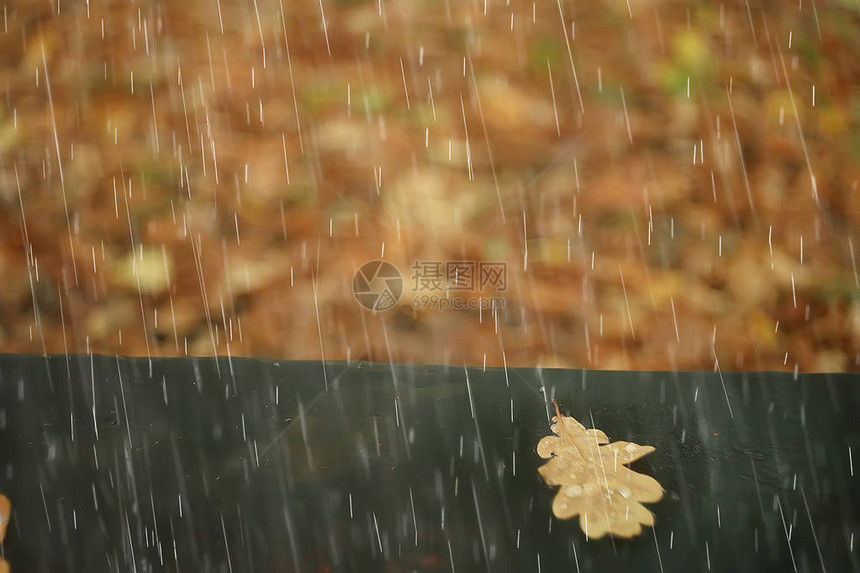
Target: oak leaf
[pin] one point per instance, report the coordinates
(595, 484)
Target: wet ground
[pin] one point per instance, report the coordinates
(116, 464)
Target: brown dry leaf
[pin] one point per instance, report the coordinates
(5, 512)
(594, 483)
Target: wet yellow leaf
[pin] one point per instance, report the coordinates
(595, 484)
(5, 511)
(147, 268)
(691, 51)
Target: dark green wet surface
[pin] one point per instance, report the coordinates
(250, 465)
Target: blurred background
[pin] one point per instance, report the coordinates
(670, 185)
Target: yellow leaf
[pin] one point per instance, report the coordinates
(691, 51)
(595, 484)
(5, 512)
(148, 268)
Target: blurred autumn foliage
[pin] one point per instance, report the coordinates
(672, 184)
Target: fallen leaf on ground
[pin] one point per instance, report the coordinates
(595, 484)
(5, 512)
